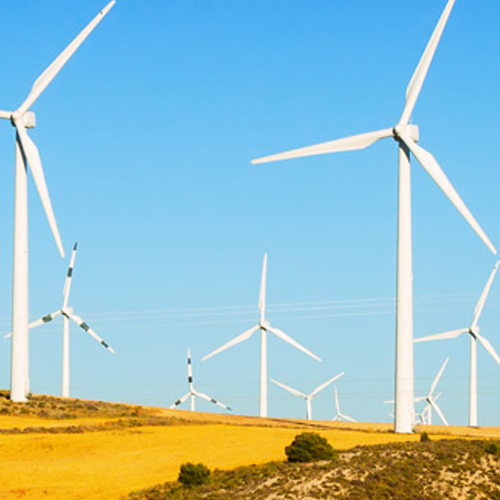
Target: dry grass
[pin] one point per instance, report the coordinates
(106, 464)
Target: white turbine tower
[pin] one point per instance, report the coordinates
(308, 397)
(193, 393)
(339, 416)
(67, 313)
(474, 331)
(432, 400)
(406, 136)
(264, 326)
(27, 155)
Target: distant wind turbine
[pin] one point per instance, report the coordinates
(431, 400)
(27, 155)
(264, 326)
(339, 416)
(406, 136)
(422, 417)
(474, 331)
(308, 397)
(193, 393)
(67, 313)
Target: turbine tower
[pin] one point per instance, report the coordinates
(474, 331)
(406, 136)
(67, 313)
(193, 393)
(27, 155)
(308, 397)
(264, 326)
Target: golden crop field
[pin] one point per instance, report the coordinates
(108, 464)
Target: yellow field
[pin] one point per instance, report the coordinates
(108, 464)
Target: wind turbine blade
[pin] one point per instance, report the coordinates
(486, 344)
(262, 295)
(443, 336)
(415, 85)
(49, 74)
(417, 399)
(289, 389)
(482, 300)
(32, 155)
(352, 143)
(439, 412)
(67, 283)
(432, 167)
(79, 321)
(326, 384)
(349, 419)
(211, 400)
(180, 401)
(240, 338)
(286, 338)
(38, 322)
(45, 319)
(438, 376)
(190, 370)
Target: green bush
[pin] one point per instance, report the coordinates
(424, 437)
(194, 474)
(309, 447)
(492, 449)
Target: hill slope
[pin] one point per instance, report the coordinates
(457, 469)
(73, 449)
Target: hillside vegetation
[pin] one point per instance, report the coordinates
(68, 449)
(457, 469)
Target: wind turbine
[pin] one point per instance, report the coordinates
(264, 326)
(193, 393)
(423, 417)
(339, 416)
(406, 136)
(308, 397)
(432, 400)
(474, 331)
(27, 155)
(67, 313)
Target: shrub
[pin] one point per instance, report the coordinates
(492, 449)
(424, 437)
(194, 475)
(308, 447)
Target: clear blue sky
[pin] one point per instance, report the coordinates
(146, 137)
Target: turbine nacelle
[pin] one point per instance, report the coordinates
(66, 311)
(264, 325)
(28, 119)
(475, 331)
(411, 130)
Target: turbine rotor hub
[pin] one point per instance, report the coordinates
(264, 325)
(474, 331)
(66, 311)
(28, 119)
(412, 130)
